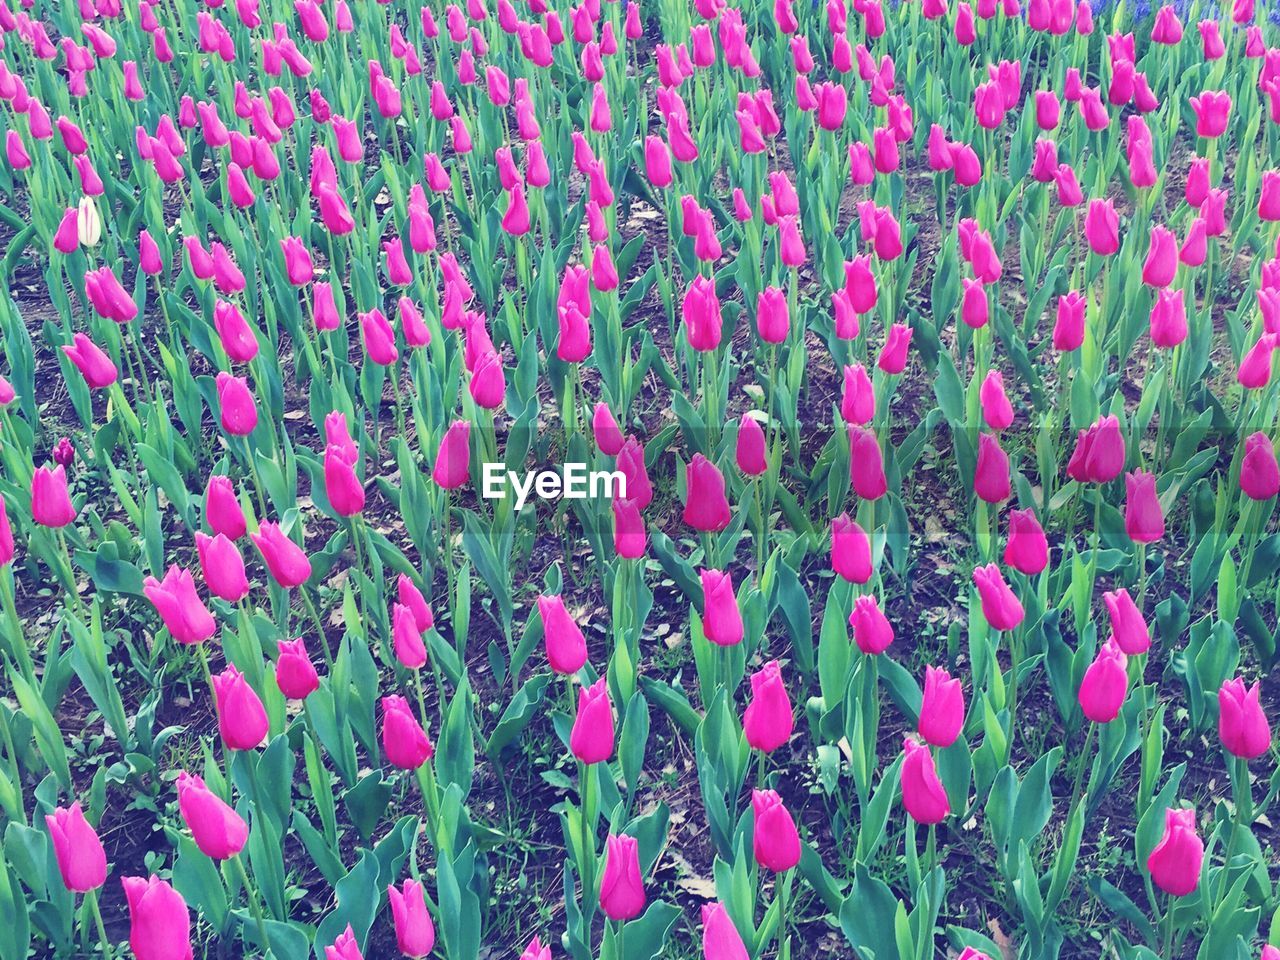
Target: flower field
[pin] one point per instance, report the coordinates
(639, 479)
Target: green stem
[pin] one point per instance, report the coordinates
(254, 907)
(586, 779)
(92, 899)
(1085, 760)
(315, 618)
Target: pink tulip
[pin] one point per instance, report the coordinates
(720, 938)
(415, 933)
(453, 457)
(295, 675)
(866, 464)
(941, 708)
(850, 550)
(923, 795)
(237, 409)
(769, 719)
(1099, 454)
(185, 616)
(775, 841)
(592, 737)
(1259, 470)
(1105, 684)
(1242, 724)
(1000, 606)
(749, 451)
(1143, 516)
(217, 829)
(622, 895)
(242, 719)
(701, 313)
(159, 923)
(706, 508)
(222, 509)
(991, 474)
(632, 466)
(1128, 627)
(92, 362)
(81, 860)
(1212, 109)
(1175, 862)
(344, 947)
(721, 617)
(405, 743)
(222, 567)
(1027, 550)
(566, 646)
(872, 631)
(1102, 227)
(286, 561)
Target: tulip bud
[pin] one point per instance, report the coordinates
(404, 741)
(1000, 606)
(923, 795)
(991, 473)
(858, 402)
(222, 510)
(286, 561)
(415, 933)
(850, 550)
(242, 719)
(185, 616)
(591, 739)
(159, 924)
(941, 708)
(88, 223)
(222, 566)
(1127, 624)
(295, 675)
(1259, 470)
(622, 895)
(872, 631)
(775, 841)
(721, 618)
(720, 938)
(1105, 684)
(217, 829)
(344, 947)
(81, 860)
(866, 464)
(749, 451)
(1242, 724)
(453, 457)
(768, 719)
(1143, 516)
(706, 508)
(566, 646)
(1175, 862)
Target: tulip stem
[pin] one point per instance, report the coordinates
(1246, 517)
(784, 935)
(71, 577)
(1084, 761)
(92, 899)
(257, 481)
(254, 907)
(315, 618)
(1166, 949)
(1242, 791)
(586, 780)
(446, 545)
(17, 640)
